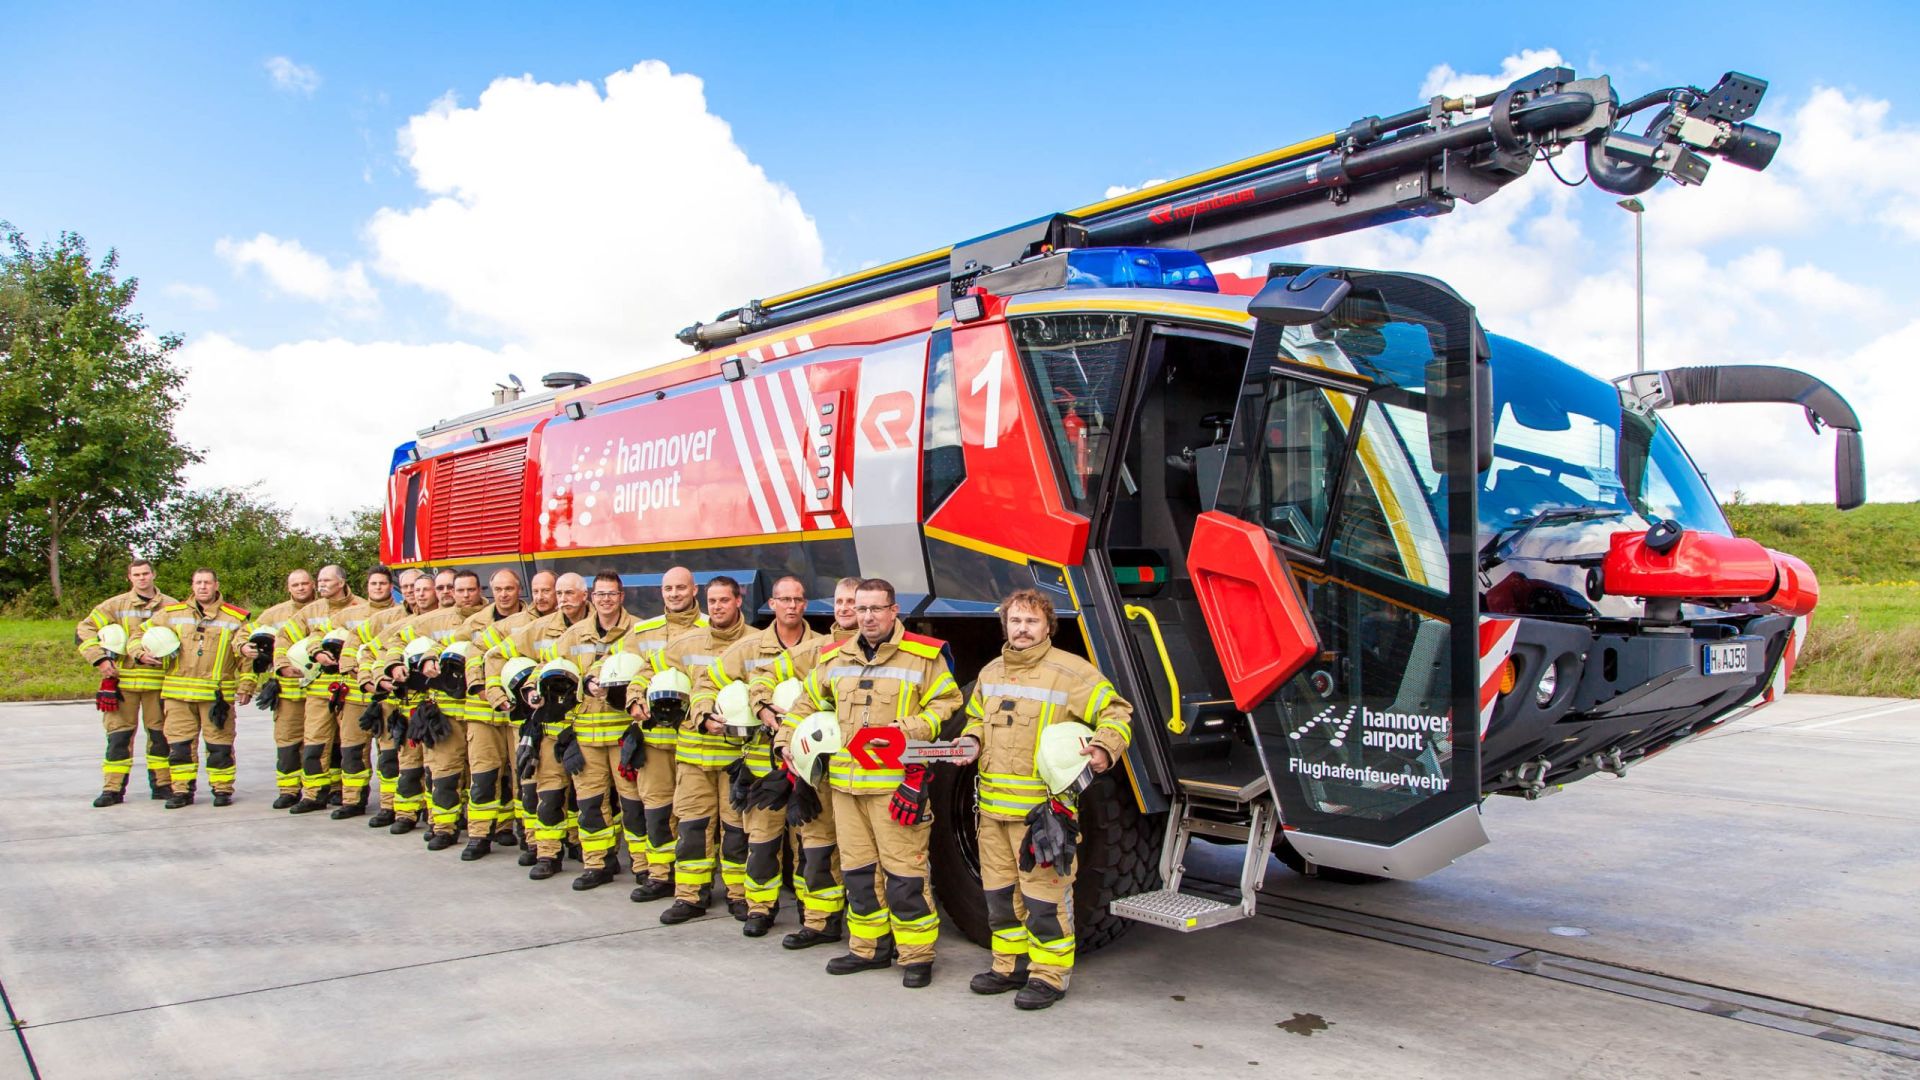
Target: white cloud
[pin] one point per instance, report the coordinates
(588, 223)
(298, 272)
(291, 78)
(197, 297)
(1747, 269)
(1114, 191)
(1443, 80)
(325, 452)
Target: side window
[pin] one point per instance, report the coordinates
(1076, 364)
(1302, 442)
(409, 536)
(942, 464)
(1393, 513)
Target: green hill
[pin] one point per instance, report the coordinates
(1876, 544)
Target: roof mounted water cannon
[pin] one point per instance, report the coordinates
(1375, 171)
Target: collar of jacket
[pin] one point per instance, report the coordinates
(621, 624)
(872, 652)
(774, 646)
(1022, 659)
(379, 605)
(731, 634)
(468, 612)
(498, 614)
(679, 622)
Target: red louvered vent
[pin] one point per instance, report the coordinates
(475, 502)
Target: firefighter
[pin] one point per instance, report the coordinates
(817, 883)
(649, 822)
(326, 698)
(200, 685)
(129, 696)
(401, 764)
(595, 729)
(754, 657)
(356, 764)
(443, 584)
(544, 796)
(885, 677)
(1019, 694)
(438, 721)
(702, 753)
(489, 637)
(489, 739)
(280, 693)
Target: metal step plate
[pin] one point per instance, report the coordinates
(1177, 910)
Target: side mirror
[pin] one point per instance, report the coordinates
(1300, 299)
(1849, 469)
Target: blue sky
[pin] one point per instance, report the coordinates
(890, 129)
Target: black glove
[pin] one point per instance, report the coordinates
(438, 726)
(803, 806)
(373, 720)
(740, 784)
(220, 713)
(1051, 835)
(908, 807)
(772, 791)
(108, 697)
(566, 747)
(423, 722)
(633, 752)
(269, 695)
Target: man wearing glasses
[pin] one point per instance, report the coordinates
(597, 726)
(752, 658)
(885, 677)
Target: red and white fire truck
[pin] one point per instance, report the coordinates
(1357, 563)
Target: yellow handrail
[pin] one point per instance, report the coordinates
(1176, 722)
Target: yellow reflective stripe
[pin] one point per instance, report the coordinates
(975, 708)
(940, 686)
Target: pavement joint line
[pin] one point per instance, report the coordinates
(19, 1032)
(21, 1028)
(1779, 1014)
(1870, 714)
(1778, 805)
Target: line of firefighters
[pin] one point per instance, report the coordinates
(563, 724)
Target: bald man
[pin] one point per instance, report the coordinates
(649, 823)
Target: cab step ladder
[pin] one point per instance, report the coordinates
(1198, 810)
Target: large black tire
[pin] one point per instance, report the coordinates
(1119, 856)
(1298, 863)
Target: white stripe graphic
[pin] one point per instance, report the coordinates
(779, 349)
(781, 490)
(796, 455)
(804, 341)
(810, 418)
(752, 474)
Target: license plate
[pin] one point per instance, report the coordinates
(1726, 658)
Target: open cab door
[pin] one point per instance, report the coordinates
(1335, 567)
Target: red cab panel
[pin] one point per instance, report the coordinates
(1701, 565)
(1799, 591)
(1258, 619)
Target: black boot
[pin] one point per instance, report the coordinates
(333, 796)
(528, 857)
(1037, 995)
(308, 806)
(179, 799)
(573, 852)
(807, 937)
(650, 890)
(478, 847)
(852, 962)
(738, 909)
(223, 798)
(503, 836)
(348, 810)
(402, 825)
(110, 798)
(680, 912)
(758, 923)
(544, 869)
(158, 792)
(285, 799)
(992, 982)
(595, 876)
(439, 841)
(917, 976)
(381, 819)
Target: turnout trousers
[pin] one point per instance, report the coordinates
(816, 869)
(885, 868)
(490, 749)
(604, 796)
(289, 726)
(138, 708)
(700, 802)
(552, 819)
(322, 728)
(188, 725)
(447, 762)
(1029, 911)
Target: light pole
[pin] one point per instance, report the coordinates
(1638, 209)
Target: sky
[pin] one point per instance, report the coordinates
(362, 217)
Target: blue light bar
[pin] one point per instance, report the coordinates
(1138, 268)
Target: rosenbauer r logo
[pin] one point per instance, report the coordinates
(1166, 212)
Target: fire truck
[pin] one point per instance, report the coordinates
(1357, 563)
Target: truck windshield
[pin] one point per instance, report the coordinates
(1561, 440)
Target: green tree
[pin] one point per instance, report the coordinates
(88, 398)
(245, 538)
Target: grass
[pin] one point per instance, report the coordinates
(1865, 639)
(1879, 542)
(39, 663)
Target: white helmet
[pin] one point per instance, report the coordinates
(335, 643)
(515, 673)
(419, 651)
(788, 695)
(814, 741)
(113, 639)
(1061, 764)
(160, 642)
(667, 698)
(735, 713)
(617, 673)
(298, 657)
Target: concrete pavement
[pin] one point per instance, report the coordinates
(1774, 857)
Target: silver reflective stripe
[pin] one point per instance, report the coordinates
(755, 663)
(911, 678)
(694, 660)
(588, 647)
(1029, 693)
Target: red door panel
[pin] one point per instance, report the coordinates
(1253, 609)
